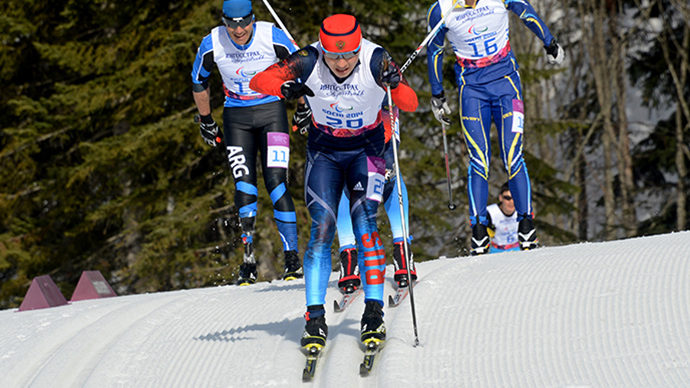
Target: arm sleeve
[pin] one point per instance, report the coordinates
(282, 45)
(203, 64)
(434, 50)
(530, 18)
(403, 96)
(298, 65)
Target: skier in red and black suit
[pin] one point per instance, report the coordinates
(343, 78)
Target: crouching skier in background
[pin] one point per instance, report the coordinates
(343, 78)
(349, 269)
(503, 225)
(252, 122)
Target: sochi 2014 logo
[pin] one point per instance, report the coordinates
(477, 30)
(340, 109)
(245, 74)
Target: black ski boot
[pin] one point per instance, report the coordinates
(316, 330)
(349, 271)
(247, 273)
(480, 240)
(293, 266)
(527, 235)
(373, 328)
(400, 265)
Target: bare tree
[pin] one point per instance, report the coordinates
(675, 14)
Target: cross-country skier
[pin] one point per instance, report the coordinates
(252, 122)
(349, 269)
(486, 72)
(343, 78)
(502, 222)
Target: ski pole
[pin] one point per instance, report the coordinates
(451, 205)
(280, 23)
(430, 35)
(402, 213)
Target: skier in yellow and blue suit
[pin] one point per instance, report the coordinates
(486, 73)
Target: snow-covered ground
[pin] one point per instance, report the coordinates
(611, 314)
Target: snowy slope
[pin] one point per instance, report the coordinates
(590, 315)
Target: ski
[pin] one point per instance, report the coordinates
(310, 367)
(372, 349)
(400, 294)
(346, 300)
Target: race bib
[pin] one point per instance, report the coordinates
(278, 152)
(518, 116)
(376, 167)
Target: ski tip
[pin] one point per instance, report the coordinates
(363, 370)
(336, 307)
(306, 377)
(391, 302)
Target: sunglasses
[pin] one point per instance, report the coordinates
(234, 23)
(346, 55)
(507, 197)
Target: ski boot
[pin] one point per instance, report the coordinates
(316, 330)
(373, 328)
(480, 240)
(247, 273)
(293, 267)
(349, 271)
(527, 235)
(400, 265)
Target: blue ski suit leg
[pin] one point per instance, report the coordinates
(346, 237)
(501, 100)
(328, 171)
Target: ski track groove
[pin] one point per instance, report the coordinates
(524, 309)
(528, 319)
(93, 341)
(339, 363)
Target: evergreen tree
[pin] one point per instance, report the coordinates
(102, 168)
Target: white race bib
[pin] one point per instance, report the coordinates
(376, 167)
(518, 116)
(278, 150)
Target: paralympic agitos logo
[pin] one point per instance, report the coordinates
(247, 73)
(477, 30)
(340, 109)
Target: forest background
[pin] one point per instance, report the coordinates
(102, 167)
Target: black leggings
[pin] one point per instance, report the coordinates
(247, 131)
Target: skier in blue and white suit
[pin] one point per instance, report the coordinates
(486, 72)
(252, 122)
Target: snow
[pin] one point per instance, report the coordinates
(609, 314)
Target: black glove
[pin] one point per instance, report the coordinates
(390, 76)
(302, 118)
(440, 108)
(292, 90)
(209, 130)
(554, 52)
